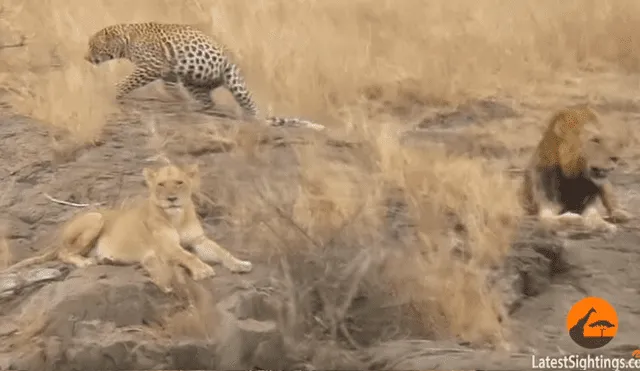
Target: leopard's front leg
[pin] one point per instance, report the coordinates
(137, 79)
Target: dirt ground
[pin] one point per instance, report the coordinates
(107, 317)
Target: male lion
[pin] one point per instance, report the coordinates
(569, 171)
(151, 232)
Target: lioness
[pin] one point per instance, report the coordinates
(151, 232)
(569, 171)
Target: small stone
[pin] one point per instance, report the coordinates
(9, 282)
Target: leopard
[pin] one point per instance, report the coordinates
(156, 232)
(178, 54)
(569, 171)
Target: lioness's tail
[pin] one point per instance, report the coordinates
(49, 254)
(76, 237)
(293, 122)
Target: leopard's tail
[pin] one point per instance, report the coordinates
(293, 122)
(235, 83)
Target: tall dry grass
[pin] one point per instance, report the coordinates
(315, 58)
(456, 219)
(326, 60)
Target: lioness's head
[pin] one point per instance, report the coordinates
(170, 187)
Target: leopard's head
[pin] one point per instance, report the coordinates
(107, 44)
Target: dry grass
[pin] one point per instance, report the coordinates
(330, 60)
(319, 57)
(459, 218)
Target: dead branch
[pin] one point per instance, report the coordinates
(360, 267)
(284, 216)
(515, 171)
(67, 203)
(19, 44)
(159, 157)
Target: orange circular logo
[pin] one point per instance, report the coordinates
(592, 323)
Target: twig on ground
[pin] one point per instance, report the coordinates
(67, 203)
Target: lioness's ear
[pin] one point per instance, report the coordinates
(192, 171)
(149, 175)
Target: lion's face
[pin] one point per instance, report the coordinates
(600, 159)
(104, 45)
(171, 187)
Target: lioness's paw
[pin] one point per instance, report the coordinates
(85, 263)
(202, 272)
(570, 219)
(620, 216)
(241, 266)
